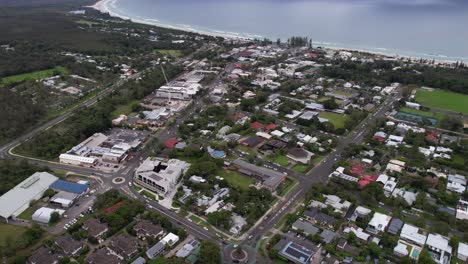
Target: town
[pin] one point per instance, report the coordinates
(202, 149)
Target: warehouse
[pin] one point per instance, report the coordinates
(42, 215)
(64, 199)
(71, 187)
(15, 201)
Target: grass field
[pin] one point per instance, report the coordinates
(173, 53)
(246, 149)
(125, 109)
(300, 168)
(27, 214)
(442, 99)
(34, 75)
(235, 178)
(148, 194)
(281, 160)
(336, 119)
(10, 231)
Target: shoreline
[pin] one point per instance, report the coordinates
(102, 6)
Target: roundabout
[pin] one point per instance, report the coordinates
(118, 180)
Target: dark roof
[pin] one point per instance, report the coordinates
(155, 250)
(102, 255)
(94, 227)
(68, 186)
(311, 212)
(295, 250)
(43, 255)
(274, 143)
(68, 245)
(325, 219)
(328, 236)
(298, 153)
(144, 227)
(252, 141)
(306, 227)
(126, 247)
(395, 226)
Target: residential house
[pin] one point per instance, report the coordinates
(69, 246)
(300, 155)
(102, 255)
(123, 247)
(43, 255)
(456, 183)
(300, 252)
(155, 250)
(378, 223)
(305, 227)
(439, 248)
(145, 228)
(395, 226)
(95, 228)
(462, 252)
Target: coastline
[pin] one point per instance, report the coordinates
(102, 6)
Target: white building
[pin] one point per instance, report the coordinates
(170, 239)
(456, 183)
(412, 235)
(43, 214)
(378, 223)
(18, 199)
(77, 160)
(462, 252)
(439, 248)
(160, 175)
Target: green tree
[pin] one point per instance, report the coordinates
(210, 253)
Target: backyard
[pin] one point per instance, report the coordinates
(236, 179)
(336, 119)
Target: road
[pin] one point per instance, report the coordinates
(319, 174)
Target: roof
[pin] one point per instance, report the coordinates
(148, 227)
(380, 221)
(439, 242)
(68, 244)
(366, 180)
(395, 226)
(139, 260)
(306, 227)
(124, 246)
(43, 255)
(93, 227)
(271, 178)
(328, 236)
(252, 141)
(102, 255)
(15, 201)
(299, 153)
(462, 249)
(154, 250)
(257, 125)
(170, 143)
(71, 187)
(411, 233)
(271, 127)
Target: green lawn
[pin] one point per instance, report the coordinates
(125, 109)
(281, 160)
(148, 194)
(317, 159)
(27, 214)
(336, 119)
(286, 186)
(11, 231)
(246, 149)
(34, 75)
(173, 53)
(442, 99)
(300, 168)
(236, 179)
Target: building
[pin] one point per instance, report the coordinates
(305, 227)
(43, 255)
(95, 228)
(395, 226)
(187, 249)
(462, 210)
(456, 183)
(155, 250)
(300, 155)
(170, 239)
(77, 160)
(412, 235)
(439, 248)
(270, 179)
(71, 187)
(123, 247)
(160, 175)
(43, 214)
(69, 246)
(146, 228)
(378, 223)
(64, 199)
(462, 252)
(103, 255)
(139, 260)
(299, 252)
(18, 199)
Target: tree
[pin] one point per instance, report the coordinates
(49, 193)
(425, 257)
(330, 104)
(210, 253)
(450, 122)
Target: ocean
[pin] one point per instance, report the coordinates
(418, 28)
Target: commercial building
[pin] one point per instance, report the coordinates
(300, 252)
(160, 175)
(70, 187)
(43, 214)
(270, 179)
(18, 199)
(64, 199)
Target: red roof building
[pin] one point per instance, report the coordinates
(113, 208)
(271, 127)
(170, 143)
(432, 135)
(357, 170)
(257, 125)
(312, 55)
(366, 180)
(378, 138)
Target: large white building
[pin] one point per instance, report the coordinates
(18, 199)
(43, 214)
(178, 90)
(160, 175)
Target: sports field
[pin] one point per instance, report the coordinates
(33, 75)
(336, 119)
(442, 99)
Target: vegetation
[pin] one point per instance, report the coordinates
(14, 172)
(34, 75)
(210, 253)
(441, 99)
(337, 120)
(14, 243)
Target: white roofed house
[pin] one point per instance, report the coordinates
(439, 248)
(378, 223)
(456, 183)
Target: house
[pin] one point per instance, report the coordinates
(340, 206)
(395, 226)
(462, 210)
(409, 196)
(252, 141)
(328, 236)
(359, 232)
(102, 255)
(123, 247)
(378, 223)
(300, 155)
(462, 252)
(155, 250)
(139, 260)
(170, 239)
(299, 252)
(439, 248)
(95, 228)
(412, 235)
(43, 255)
(315, 216)
(305, 227)
(145, 228)
(69, 246)
(456, 183)
(270, 179)
(360, 212)
(187, 249)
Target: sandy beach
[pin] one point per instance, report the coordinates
(104, 6)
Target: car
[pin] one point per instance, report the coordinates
(206, 228)
(250, 237)
(81, 215)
